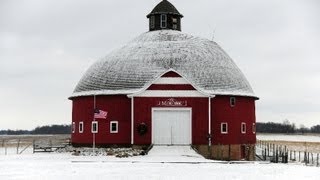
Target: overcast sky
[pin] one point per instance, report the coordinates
(47, 45)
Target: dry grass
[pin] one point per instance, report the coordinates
(313, 147)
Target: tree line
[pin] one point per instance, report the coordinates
(285, 127)
(48, 129)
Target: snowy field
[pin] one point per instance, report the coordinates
(294, 138)
(172, 163)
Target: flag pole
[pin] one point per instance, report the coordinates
(94, 132)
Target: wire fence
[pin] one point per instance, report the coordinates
(32, 144)
(281, 153)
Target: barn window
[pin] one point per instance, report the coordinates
(254, 128)
(114, 127)
(152, 22)
(174, 23)
(243, 128)
(224, 128)
(81, 127)
(174, 20)
(163, 21)
(94, 127)
(232, 101)
(174, 26)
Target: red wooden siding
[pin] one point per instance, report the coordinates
(243, 111)
(118, 108)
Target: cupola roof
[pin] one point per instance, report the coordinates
(164, 7)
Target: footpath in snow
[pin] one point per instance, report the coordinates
(172, 154)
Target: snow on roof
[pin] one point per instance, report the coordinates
(131, 68)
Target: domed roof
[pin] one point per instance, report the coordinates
(136, 65)
(164, 7)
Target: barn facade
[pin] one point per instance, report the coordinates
(166, 87)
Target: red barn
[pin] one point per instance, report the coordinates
(166, 87)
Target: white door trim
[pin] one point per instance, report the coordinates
(170, 109)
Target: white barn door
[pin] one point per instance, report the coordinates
(171, 126)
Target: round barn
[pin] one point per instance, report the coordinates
(166, 87)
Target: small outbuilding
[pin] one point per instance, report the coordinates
(166, 87)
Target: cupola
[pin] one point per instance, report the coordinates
(164, 16)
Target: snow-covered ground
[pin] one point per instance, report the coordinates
(162, 163)
(283, 137)
(174, 154)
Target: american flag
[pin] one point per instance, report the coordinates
(99, 114)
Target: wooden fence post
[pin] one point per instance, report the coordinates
(285, 148)
(305, 158)
(290, 157)
(18, 146)
(50, 142)
(33, 146)
(4, 145)
(273, 151)
(280, 149)
(277, 156)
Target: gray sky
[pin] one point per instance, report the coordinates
(47, 45)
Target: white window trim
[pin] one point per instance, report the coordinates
(243, 131)
(222, 132)
(117, 126)
(73, 128)
(163, 21)
(94, 122)
(232, 99)
(81, 129)
(254, 128)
